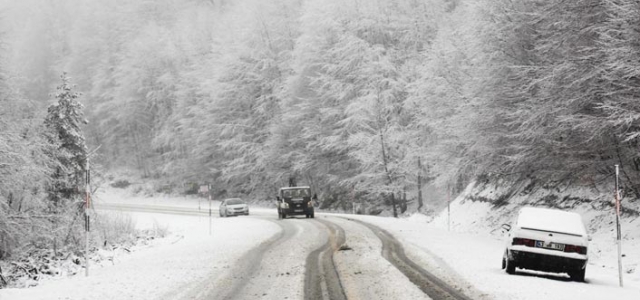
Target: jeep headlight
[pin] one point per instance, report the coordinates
(285, 205)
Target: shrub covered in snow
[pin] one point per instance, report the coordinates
(113, 234)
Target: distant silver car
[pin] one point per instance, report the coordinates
(233, 207)
(548, 240)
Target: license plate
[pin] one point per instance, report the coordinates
(298, 210)
(553, 246)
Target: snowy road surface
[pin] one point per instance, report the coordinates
(330, 257)
(299, 263)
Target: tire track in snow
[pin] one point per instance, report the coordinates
(321, 277)
(282, 269)
(229, 284)
(246, 268)
(393, 252)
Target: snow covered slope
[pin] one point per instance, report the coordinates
(481, 209)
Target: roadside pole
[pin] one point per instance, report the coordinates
(618, 229)
(209, 188)
(353, 203)
(86, 218)
(448, 208)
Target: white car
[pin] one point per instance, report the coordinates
(547, 240)
(233, 207)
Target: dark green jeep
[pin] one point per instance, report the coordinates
(295, 201)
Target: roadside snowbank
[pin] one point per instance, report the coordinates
(467, 257)
(471, 261)
(470, 254)
(472, 215)
(187, 256)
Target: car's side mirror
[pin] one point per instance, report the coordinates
(506, 227)
(278, 198)
(589, 238)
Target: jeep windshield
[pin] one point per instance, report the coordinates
(296, 193)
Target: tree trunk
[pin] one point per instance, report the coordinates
(4, 282)
(20, 204)
(420, 204)
(403, 204)
(141, 160)
(393, 203)
(386, 170)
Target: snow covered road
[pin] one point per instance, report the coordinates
(305, 261)
(330, 257)
(187, 257)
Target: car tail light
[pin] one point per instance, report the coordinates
(575, 249)
(524, 242)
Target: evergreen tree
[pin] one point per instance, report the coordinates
(63, 121)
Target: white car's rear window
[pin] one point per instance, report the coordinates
(234, 201)
(551, 220)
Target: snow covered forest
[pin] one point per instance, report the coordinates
(361, 99)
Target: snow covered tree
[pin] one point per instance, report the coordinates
(64, 121)
(235, 110)
(440, 112)
(355, 100)
(24, 166)
(619, 117)
(543, 75)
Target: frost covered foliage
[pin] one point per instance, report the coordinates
(30, 166)
(362, 101)
(37, 207)
(64, 120)
(42, 159)
(24, 166)
(115, 235)
(563, 86)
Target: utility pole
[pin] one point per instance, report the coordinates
(448, 208)
(419, 185)
(209, 192)
(87, 220)
(618, 229)
(353, 202)
(87, 207)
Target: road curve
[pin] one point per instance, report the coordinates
(232, 281)
(321, 278)
(393, 252)
(264, 269)
(259, 275)
(242, 273)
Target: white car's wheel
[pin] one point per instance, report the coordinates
(510, 266)
(578, 275)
